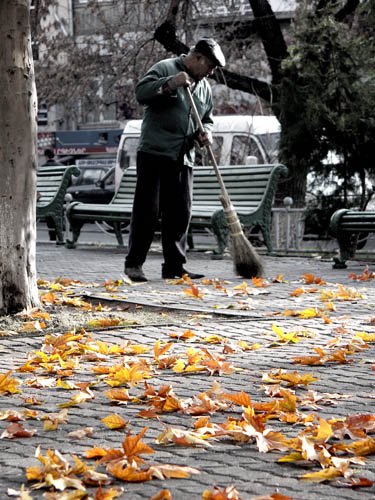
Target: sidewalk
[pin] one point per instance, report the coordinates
(237, 315)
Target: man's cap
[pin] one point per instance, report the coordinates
(211, 49)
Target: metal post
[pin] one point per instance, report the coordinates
(288, 202)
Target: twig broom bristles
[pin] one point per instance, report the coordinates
(247, 262)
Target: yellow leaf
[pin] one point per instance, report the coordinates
(179, 366)
(308, 313)
(322, 475)
(114, 421)
(8, 384)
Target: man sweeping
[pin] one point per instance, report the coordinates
(165, 156)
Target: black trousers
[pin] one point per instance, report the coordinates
(163, 190)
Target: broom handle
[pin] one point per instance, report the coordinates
(225, 197)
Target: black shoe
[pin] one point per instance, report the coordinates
(135, 273)
(168, 274)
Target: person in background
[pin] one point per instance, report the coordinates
(165, 155)
(49, 155)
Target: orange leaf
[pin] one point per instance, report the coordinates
(159, 349)
(15, 430)
(241, 399)
(129, 474)
(228, 493)
(162, 495)
(117, 395)
(133, 446)
(95, 452)
(193, 291)
(108, 494)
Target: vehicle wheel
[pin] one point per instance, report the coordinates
(107, 227)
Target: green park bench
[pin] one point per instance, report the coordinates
(250, 187)
(349, 226)
(51, 186)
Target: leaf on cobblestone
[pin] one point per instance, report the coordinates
(293, 379)
(118, 396)
(97, 452)
(183, 438)
(186, 335)
(361, 448)
(365, 276)
(310, 279)
(285, 337)
(21, 494)
(279, 279)
(322, 475)
(367, 337)
(168, 471)
(108, 494)
(133, 447)
(125, 375)
(193, 291)
(8, 384)
(81, 433)
(228, 493)
(129, 474)
(241, 399)
(16, 430)
(18, 415)
(360, 482)
(274, 496)
(114, 421)
(162, 495)
(160, 349)
(77, 399)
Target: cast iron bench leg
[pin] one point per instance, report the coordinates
(220, 230)
(345, 250)
(75, 227)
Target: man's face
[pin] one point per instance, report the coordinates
(202, 67)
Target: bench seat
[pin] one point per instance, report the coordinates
(250, 187)
(51, 186)
(347, 225)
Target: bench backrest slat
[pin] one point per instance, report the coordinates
(246, 185)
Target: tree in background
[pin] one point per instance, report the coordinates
(18, 108)
(327, 99)
(318, 82)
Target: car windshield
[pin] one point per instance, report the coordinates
(271, 144)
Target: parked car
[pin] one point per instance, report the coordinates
(95, 184)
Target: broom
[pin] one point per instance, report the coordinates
(247, 262)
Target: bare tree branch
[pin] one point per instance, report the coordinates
(270, 33)
(349, 8)
(166, 35)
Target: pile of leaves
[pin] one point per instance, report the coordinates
(122, 373)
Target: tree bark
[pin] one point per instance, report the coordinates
(18, 160)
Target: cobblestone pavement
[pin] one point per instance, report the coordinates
(229, 308)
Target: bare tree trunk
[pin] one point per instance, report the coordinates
(18, 161)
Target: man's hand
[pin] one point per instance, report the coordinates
(182, 79)
(205, 139)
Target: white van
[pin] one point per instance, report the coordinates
(237, 140)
